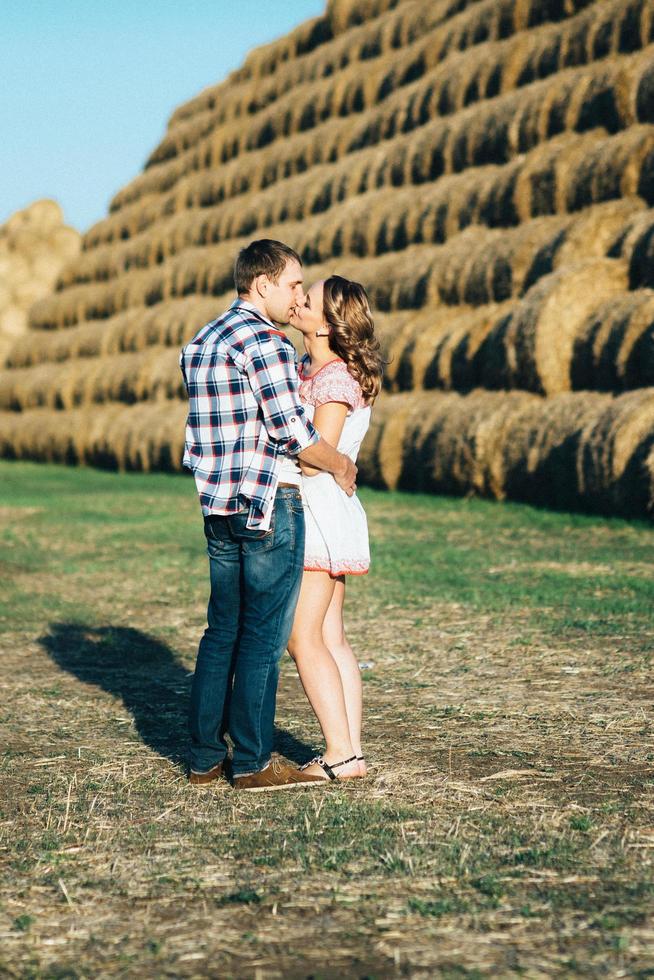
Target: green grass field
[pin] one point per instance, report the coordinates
(506, 827)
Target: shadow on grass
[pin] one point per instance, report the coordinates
(144, 673)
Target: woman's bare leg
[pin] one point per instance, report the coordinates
(333, 633)
(319, 673)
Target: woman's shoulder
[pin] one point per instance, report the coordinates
(334, 383)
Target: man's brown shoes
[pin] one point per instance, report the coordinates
(203, 778)
(277, 775)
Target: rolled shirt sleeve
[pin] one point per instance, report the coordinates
(271, 369)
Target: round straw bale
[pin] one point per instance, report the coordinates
(161, 377)
(401, 373)
(368, 460)
(635, 358)
(102, 437)
(427, 463)
(497, 203)
(606, 168)
(481, 134)
(462, 273)
(634, 86)
(442, 454)
(14, 223)
(448, 454)
(616, 348)
(547, 322)
(25, 293)
(451, 356)
(498, 265)
(518, 64)
(537, 112)
(65, 242)
(541, 449)
(15, 268)
(6, 346)
(614, 448)
(536, 184)
(151, 436)
(597, 231)
(638, 249)
(46, 268)
(596, 100)
(13, 321)
(400, 280)
(24, 239)
(494, 428)
(393, 439)
(46, 215)
(394, 422)
(389, 328)
(458, 208)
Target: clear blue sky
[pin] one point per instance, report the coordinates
(87, 86)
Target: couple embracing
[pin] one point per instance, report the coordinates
(272, 451)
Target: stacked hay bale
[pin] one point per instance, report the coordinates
(484, 167)
(35, 244)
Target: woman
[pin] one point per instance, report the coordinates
(340, 377)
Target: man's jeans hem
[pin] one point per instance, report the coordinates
(200, 772)
(251, 772)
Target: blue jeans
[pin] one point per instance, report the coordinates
(255, 583)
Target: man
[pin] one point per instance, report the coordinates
(245, 418)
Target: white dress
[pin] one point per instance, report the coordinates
(336, 525)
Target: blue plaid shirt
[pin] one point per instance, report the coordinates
(244, 412)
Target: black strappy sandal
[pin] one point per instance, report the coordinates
(329, 769)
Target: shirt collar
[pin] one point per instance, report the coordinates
(244, 304)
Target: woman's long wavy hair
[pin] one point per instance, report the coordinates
(352, 333)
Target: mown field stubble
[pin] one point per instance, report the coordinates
(506, 826)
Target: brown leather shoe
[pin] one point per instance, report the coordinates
(202, 778)
(277, 775)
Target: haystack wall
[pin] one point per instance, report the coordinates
(484, 167)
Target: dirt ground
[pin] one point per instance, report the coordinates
(506, 825)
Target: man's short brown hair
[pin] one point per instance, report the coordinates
(265, 257)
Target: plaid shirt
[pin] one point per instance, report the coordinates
(244, 412)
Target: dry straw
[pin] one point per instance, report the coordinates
(464, 24)
(35, 244)
(615, 447)
(451, 353)
(604, 169)
(615, 348)
(402, 373)
(564, 174)
(539, 340)
(583, 450)
(169, 324)
(603, 94)
(516, 61)
(139, 437)
(219, 230)
(540, 451)
(479, 265)
(598, 231)
(638, 250)
(149, 374)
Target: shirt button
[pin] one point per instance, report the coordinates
(294, 419)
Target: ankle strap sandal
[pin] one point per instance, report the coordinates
(329, 769)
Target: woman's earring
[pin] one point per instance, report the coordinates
(323, 333)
